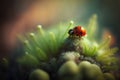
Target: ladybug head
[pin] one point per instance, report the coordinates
(70, 32)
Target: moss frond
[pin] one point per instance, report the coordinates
(44, 45)
(89, 48)
(92, 27)
(71, 23)
(28, 61)
(105, 43)
(41, 55)
(107, 58)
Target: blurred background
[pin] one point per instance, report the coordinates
(20, 16)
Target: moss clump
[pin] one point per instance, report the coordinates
(58, 56)
(68, 68)
(89, 71)
(39, 75)
(67, 56)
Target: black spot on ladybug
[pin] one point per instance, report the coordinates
(80, 33)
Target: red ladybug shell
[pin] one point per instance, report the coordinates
(79, 31)
(83, 32)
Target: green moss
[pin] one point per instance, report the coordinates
(39, 75)
(109, 76)
(28, 61)
(89, 71)
(57, 52)
(68, 68)
(68, 71)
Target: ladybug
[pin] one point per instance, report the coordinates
(77, 31)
